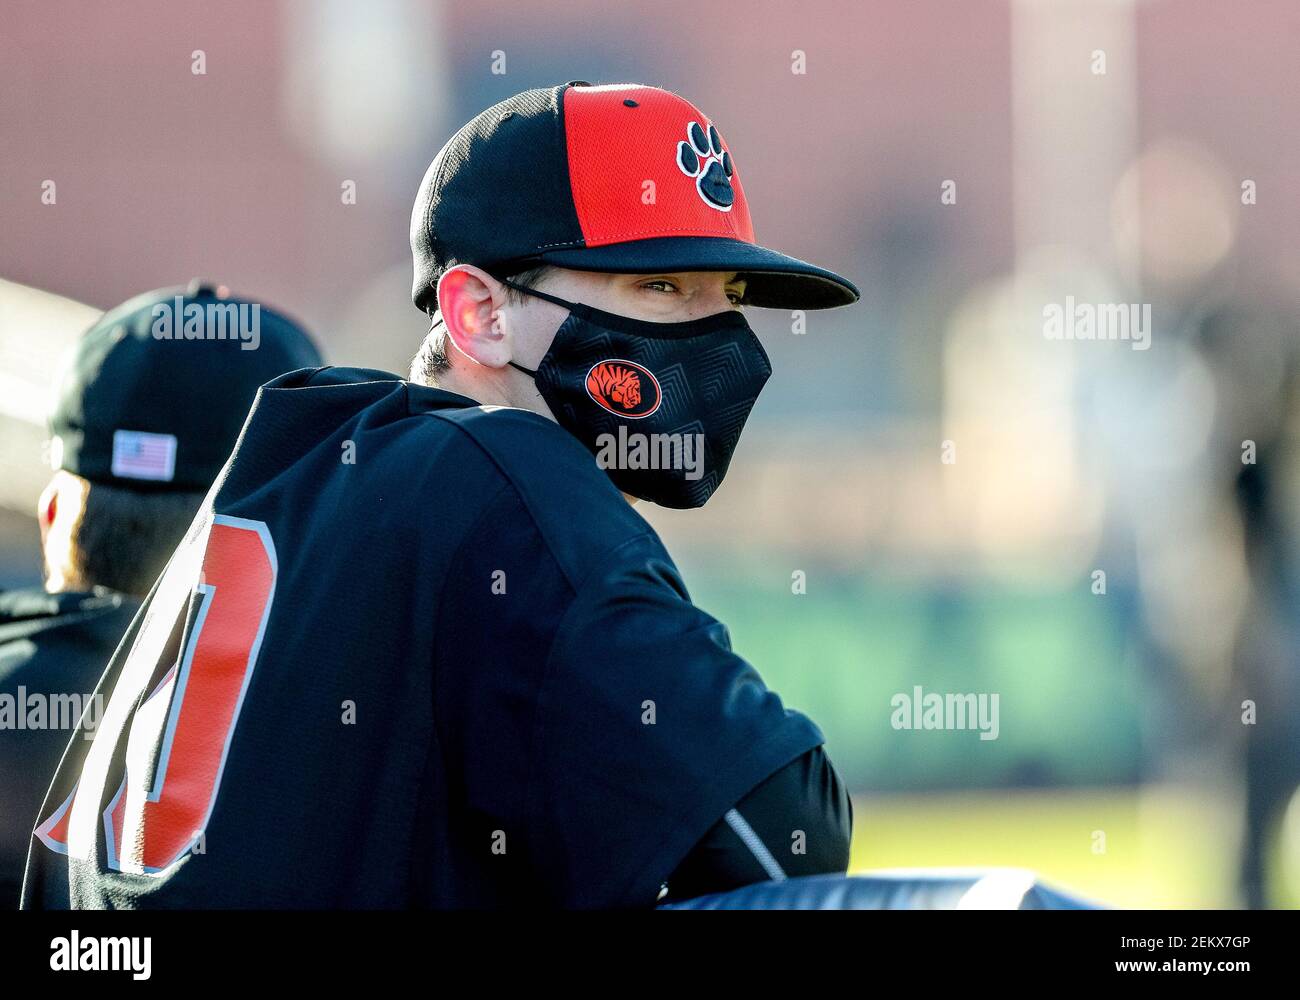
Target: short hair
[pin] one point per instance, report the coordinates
(431, 360)
(124, 537)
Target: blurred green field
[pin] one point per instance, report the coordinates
(1165, 846)
(1081, 723)
(1071, 694)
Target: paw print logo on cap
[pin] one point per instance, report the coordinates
(701, 156)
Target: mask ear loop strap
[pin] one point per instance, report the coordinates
(541, 295)
(531, 373)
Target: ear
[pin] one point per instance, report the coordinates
(468, 299)
(47, 508)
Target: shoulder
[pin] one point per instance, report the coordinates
(546, 464)
(511, 435)
(35, 606)
(571, 501)
(53, 639)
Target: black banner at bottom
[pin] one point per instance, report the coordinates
(925, 947)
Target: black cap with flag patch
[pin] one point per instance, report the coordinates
(156, 392)
(619, 178)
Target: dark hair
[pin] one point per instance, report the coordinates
(124, 537)
(431, 360)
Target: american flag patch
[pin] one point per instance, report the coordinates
(141, 455)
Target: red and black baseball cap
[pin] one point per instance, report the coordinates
(621, 178)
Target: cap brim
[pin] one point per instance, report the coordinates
(773, 280)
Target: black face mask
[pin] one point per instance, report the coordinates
(660, 405)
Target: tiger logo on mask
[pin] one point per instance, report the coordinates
(623, 388)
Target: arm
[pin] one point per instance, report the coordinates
(650, 729)
(799, 821)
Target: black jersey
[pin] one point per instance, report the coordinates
(53, 648)
(413, 651)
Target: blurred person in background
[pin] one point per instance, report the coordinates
(1249, 342)
(1218, 478)
(145, 414)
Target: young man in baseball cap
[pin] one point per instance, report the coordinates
(448, 664)
(140, 427)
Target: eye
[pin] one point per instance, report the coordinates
(671, 286)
